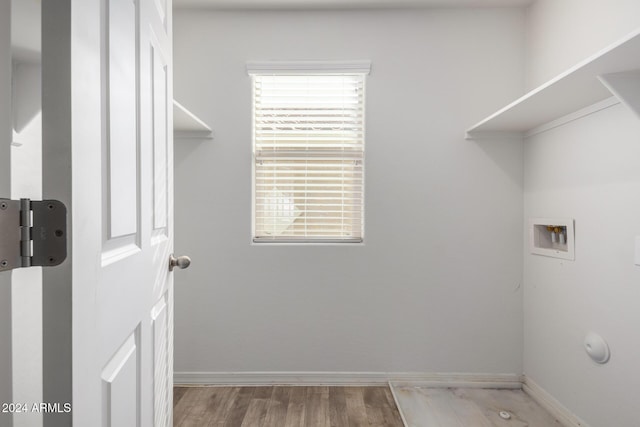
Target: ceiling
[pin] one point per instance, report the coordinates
(344, 4)
(25, 14)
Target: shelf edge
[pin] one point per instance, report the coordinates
(192, 134)
(559, 77)
(479, 135)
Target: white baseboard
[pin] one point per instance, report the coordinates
(511, 381)
(444, 380)
(551, 404)
(278, 378)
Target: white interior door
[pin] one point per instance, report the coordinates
(108, 150)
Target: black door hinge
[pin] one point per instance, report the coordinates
(32, 233)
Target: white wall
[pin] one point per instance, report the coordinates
(561, 33)
(6, 382)
(26, 151)
(26, 181)
(589, 170)
(436, 287)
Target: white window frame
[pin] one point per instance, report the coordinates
(294, 69)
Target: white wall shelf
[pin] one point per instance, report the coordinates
(187, 125)
(615, 69)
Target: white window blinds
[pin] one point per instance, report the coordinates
(309, 153)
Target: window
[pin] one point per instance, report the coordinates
(308, 148)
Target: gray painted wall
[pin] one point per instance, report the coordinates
(589, 170)
(437, 285)
(562, 33)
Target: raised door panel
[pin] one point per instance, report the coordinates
(161, 7)
(161, 367)
(160, 137)
(122, 167)
(120, 386)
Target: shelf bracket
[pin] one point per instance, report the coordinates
(625, 86)
(186, 125)
(475, 135)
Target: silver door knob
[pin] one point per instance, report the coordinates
(181, 262)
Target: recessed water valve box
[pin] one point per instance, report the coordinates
(552, 237)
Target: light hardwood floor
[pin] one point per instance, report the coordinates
(451, 407)
(283, 406)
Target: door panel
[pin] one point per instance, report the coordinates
(161, 6)
(122, 136)
(160, 134)
(160, 327)
(120, 387)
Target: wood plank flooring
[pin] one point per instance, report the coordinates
(451, 407)
(284, 406)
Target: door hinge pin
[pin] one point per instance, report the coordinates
(25, 232)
